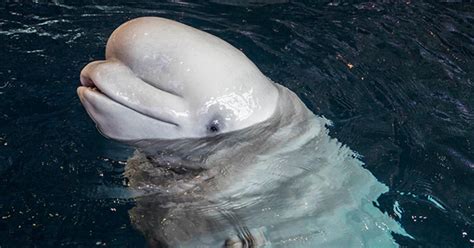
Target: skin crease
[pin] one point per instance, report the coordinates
(225, 156)
(150, 88)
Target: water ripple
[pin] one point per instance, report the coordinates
(395, 78)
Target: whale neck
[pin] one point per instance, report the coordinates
(193, 161)
(290, 114)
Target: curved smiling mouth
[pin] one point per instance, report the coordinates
(88, 86)
(88, 83)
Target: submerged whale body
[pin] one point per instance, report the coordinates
(225, 157)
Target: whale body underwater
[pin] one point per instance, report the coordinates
(225, 157)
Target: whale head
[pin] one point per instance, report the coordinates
(163, 80)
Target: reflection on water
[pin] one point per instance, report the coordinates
(396, 80)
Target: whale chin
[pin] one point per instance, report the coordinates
(119, 122)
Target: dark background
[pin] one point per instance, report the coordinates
(397, 80)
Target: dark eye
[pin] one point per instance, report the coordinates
(214, 126)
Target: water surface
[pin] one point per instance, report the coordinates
(397, 80)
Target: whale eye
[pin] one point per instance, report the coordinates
(214, 126)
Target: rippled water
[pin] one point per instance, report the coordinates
(397, 80)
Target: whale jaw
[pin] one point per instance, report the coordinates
(121, 123)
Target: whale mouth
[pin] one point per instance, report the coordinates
(94, 89)
(117, 118)
(115, 82)
(89, 86)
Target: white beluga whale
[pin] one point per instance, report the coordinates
(225, 157)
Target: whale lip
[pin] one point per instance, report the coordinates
(88, 85)
(81, 92)
(126, 124)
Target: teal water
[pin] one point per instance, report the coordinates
(396, 79)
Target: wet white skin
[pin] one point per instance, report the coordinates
(225, 156)
(165, 80)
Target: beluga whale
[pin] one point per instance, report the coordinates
(225, 157)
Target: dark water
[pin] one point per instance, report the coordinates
(397, 80)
